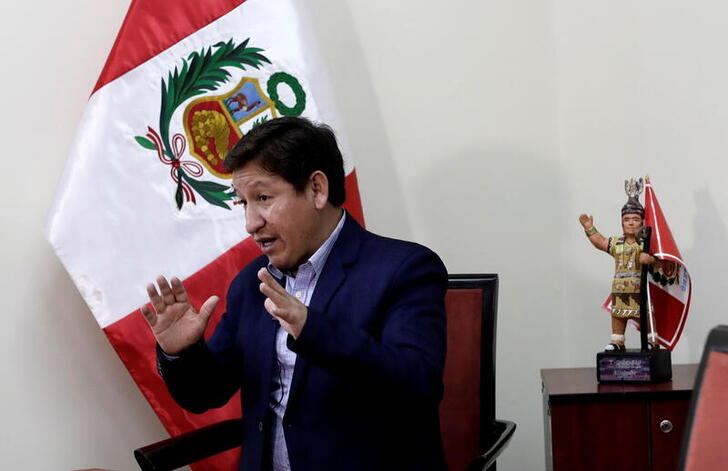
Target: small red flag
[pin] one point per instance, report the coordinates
(669, 283)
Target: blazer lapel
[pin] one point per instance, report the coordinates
(343, 254)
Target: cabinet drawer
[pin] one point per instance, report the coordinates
(668, 419)
(600, 436)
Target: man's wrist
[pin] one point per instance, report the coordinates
(591, 231)
(168, 356)
(174, 356)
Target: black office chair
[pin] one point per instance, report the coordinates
(472, 437)
(704, 443)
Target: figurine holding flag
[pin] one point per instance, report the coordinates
(629, 257)
(650, 284)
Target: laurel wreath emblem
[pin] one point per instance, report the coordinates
(201, 72)
(668, 276)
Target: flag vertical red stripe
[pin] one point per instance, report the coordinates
(151, 26)
(670, 321)
(353, 200)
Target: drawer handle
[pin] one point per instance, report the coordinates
(666, 426)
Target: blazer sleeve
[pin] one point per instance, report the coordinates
(207, 374)
(407, 357)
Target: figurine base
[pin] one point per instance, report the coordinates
(634, 366)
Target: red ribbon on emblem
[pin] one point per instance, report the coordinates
(179, 144)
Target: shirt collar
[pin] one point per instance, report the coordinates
(318, 259)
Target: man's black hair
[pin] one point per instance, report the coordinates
(293, 148)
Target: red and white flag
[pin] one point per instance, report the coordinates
(669, 283)
(144, 191)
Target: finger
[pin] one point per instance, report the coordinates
(150, 317)
(270, 287)
(265, 276)
(154, 298)
(274, 310)
(207, 308)
(165, 289)
(178, 289)
(272, 294)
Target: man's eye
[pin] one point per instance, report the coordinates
(263, 198)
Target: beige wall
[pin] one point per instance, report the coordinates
(480, 129)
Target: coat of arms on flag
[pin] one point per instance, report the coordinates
(213, 124)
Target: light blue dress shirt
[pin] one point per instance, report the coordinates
(301, 286)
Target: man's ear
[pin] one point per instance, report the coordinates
(320, 188)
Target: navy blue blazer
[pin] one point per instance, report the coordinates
(368, 377)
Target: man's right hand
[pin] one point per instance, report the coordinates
(174, 322)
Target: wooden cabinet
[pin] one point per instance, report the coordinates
(614, 426)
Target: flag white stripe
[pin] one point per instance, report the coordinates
(657, 229)
(669, 256)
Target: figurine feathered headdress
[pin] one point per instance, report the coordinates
(633, 188)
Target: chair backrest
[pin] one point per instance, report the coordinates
(467, 412)
(704, 444)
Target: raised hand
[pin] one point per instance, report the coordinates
(289, 311)
(586, 221)
(174, 322)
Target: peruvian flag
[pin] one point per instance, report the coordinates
(669, 281)
(144, 191)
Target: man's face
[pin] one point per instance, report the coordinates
(631, 224)
(283, 222)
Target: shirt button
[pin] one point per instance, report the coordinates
(298, 294)
(260, 426)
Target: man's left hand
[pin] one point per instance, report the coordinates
(289, 311)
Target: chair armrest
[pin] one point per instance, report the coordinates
(189, 447)
(502, 432)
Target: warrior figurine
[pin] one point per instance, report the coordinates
(628, 261)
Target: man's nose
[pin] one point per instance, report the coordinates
(253, 220)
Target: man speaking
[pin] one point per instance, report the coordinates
(335, 335)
